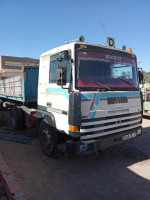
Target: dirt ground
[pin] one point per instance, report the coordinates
(120, 172)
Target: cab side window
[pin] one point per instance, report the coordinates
(56, 60)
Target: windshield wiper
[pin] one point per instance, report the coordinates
(104, 86)
(122, 79)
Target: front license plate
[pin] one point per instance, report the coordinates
(129, 136)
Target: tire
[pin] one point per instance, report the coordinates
(48, 139)
(17, 119)
(1, 104)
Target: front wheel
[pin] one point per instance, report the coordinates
(48, 139)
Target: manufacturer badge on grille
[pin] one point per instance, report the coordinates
(115, 100)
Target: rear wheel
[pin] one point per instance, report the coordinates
(1, 104)
(17, 119)
(48, 139)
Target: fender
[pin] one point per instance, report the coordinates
(43, 114)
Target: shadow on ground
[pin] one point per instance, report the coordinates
(120, 172)
(108, 177)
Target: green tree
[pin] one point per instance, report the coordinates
(146, 76)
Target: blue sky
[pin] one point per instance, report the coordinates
(30, 27)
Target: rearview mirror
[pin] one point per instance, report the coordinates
(61, 75)
(140, 74)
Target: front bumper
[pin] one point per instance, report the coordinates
(85, 147)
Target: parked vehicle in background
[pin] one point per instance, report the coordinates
(146, 99)
(88, 97)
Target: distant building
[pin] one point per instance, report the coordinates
(12, 66)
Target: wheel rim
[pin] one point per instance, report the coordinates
(46, 139)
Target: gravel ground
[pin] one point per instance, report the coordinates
(120, 172)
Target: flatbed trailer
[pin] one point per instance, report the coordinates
(21, 88)
(19, 94)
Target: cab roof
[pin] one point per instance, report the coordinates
(70, 45)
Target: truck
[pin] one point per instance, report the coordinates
(146, 99)
(82, 99)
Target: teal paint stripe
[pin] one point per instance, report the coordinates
(97, 100)
(93, 115)
(58, 90)
(12, 98)
(87, 96)
(23, 91)
(105, 95)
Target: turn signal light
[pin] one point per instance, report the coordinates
(130, 49)
(73, 128)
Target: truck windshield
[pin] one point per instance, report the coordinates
(105, 71)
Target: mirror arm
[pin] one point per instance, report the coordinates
(62, 82)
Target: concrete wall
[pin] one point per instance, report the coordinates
(12, 66)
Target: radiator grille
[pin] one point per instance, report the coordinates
(91, 128)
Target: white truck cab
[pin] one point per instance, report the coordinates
(89, 94)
